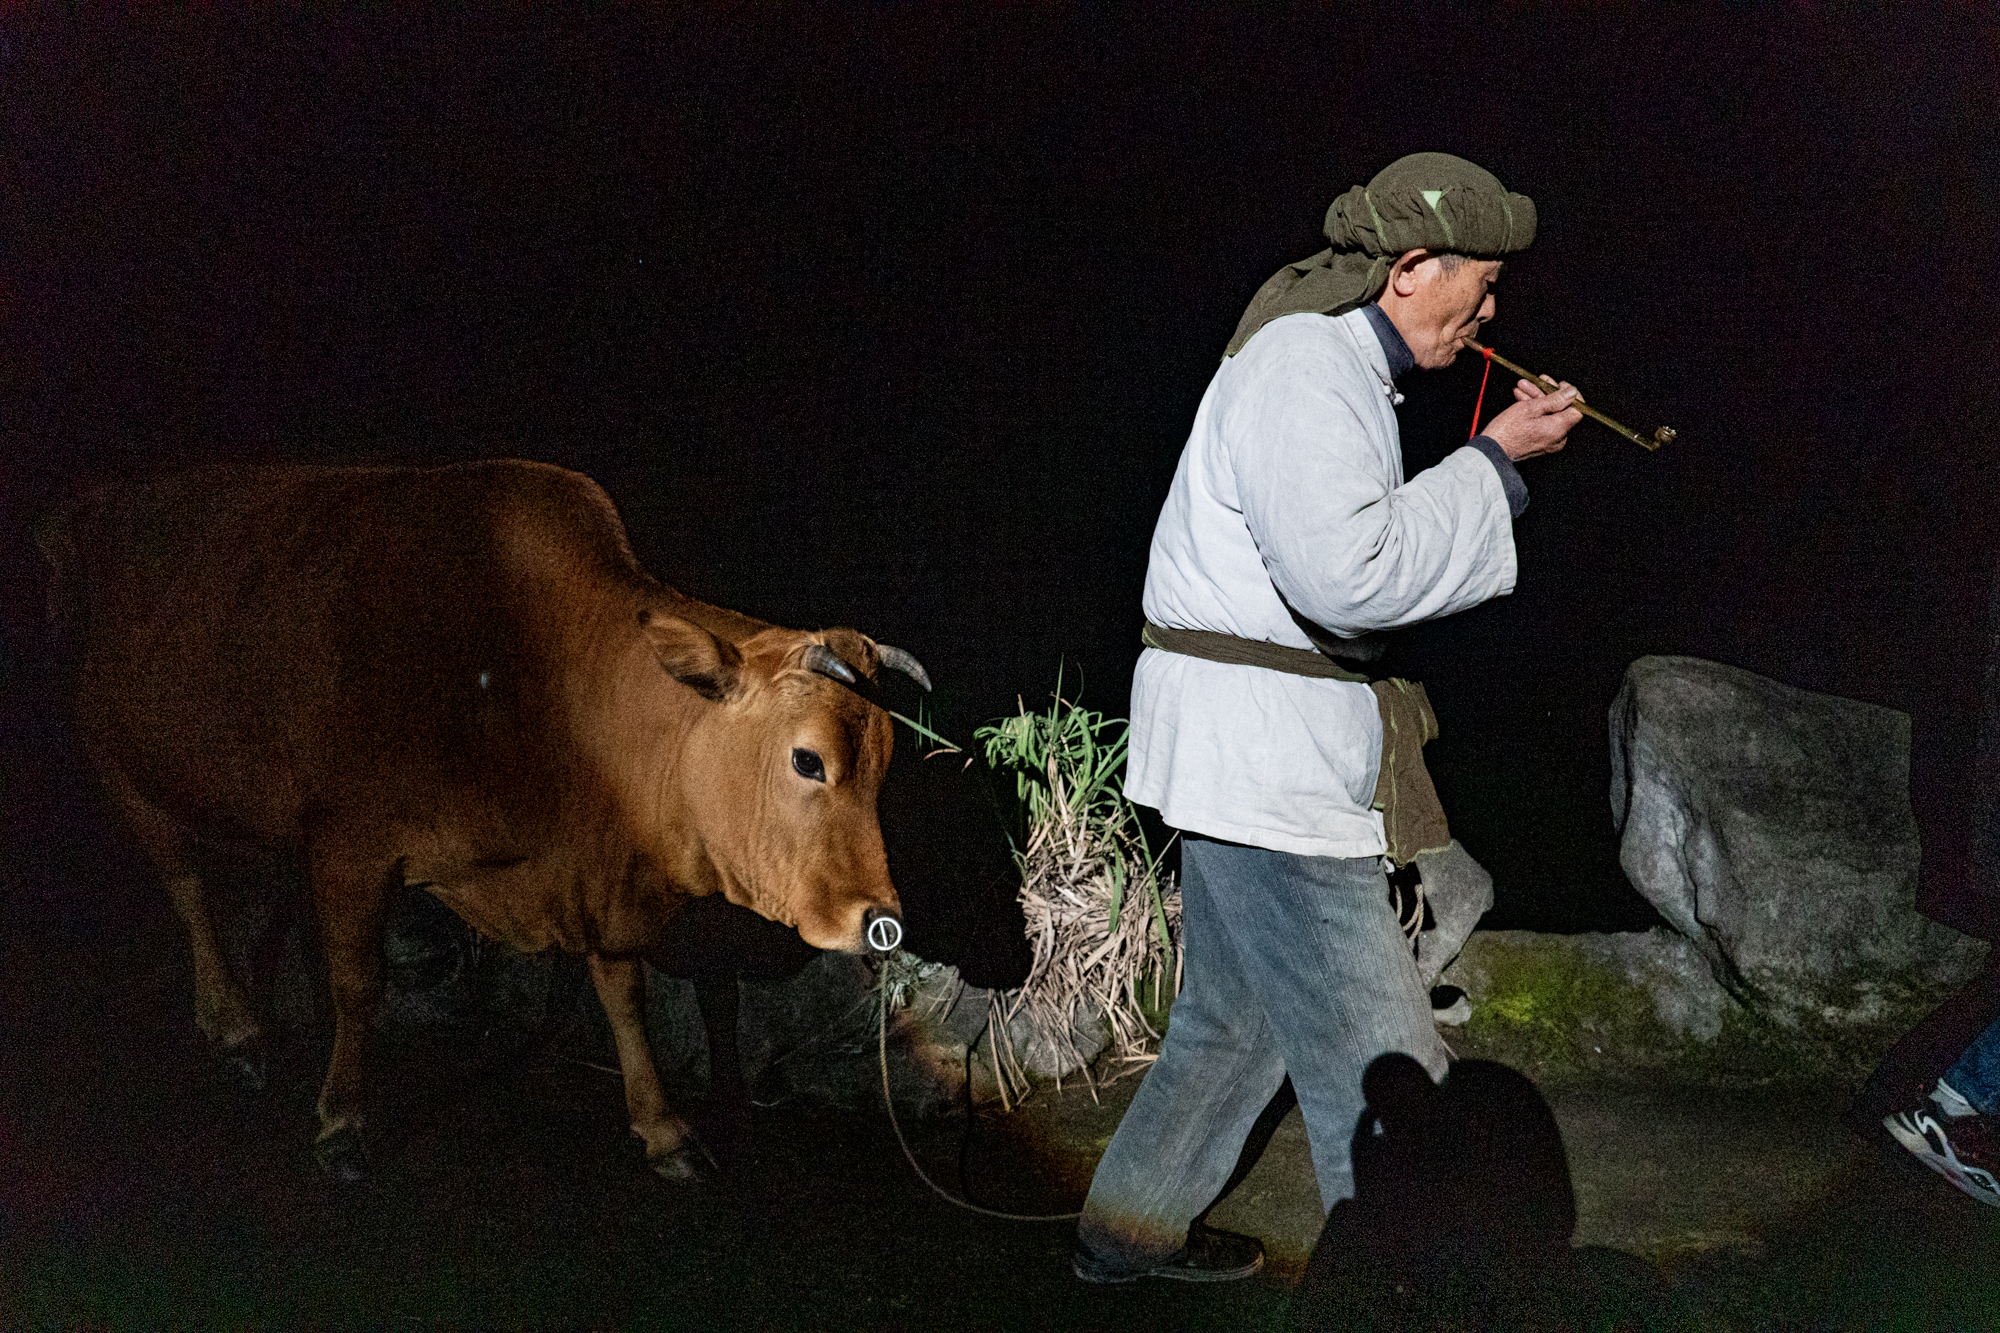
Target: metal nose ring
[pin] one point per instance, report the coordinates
(885, 933)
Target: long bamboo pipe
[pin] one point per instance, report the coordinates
(1661, 434)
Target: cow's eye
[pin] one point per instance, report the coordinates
(809, 765)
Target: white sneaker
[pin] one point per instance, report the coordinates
(1963, 1150)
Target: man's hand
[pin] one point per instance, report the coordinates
(1538, 423)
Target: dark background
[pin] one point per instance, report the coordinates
(899, 319)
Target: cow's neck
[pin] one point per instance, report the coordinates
(640, 734)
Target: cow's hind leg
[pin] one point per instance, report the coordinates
(350, 896)
(672, 1149)
(221, 1009)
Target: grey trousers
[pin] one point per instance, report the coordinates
(1295, 965)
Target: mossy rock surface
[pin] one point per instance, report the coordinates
(1644, 1005)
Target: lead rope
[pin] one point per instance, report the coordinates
(1413, 924)
(889, 1104)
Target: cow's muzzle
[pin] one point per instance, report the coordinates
(883, 930)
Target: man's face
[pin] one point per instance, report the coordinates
(1448, 307)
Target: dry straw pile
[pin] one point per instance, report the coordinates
(1102, 917)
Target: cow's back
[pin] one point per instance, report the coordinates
(262, 647)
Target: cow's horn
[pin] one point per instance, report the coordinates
(898, 660)
(824, 660)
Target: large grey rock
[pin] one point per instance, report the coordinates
(810, 1038)
(1459, 892)
(960, 1020)
(813, 1038)
(1771, 827)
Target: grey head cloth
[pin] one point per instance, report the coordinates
(1426, 201)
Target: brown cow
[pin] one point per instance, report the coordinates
(460, 678)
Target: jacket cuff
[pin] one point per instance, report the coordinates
(1510, 476)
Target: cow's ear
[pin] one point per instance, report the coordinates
(694, 657)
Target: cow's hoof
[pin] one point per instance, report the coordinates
(341, 1154)
(247, 1064)
(691, 1163)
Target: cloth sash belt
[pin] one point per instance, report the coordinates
(1412, 816)
(1213, 647)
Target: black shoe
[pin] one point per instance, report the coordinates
(1208, 1256)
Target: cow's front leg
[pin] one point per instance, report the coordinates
(350, 896)
(672, 1149)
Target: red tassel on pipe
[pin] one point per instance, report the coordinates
(1488, 354)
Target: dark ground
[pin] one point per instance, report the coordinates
(143, 1191)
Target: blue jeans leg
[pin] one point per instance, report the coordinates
(1295, 965)
(1976, 1076)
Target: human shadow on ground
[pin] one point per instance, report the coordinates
(1462, 1219)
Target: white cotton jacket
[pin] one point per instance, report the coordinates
(1292, 482)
